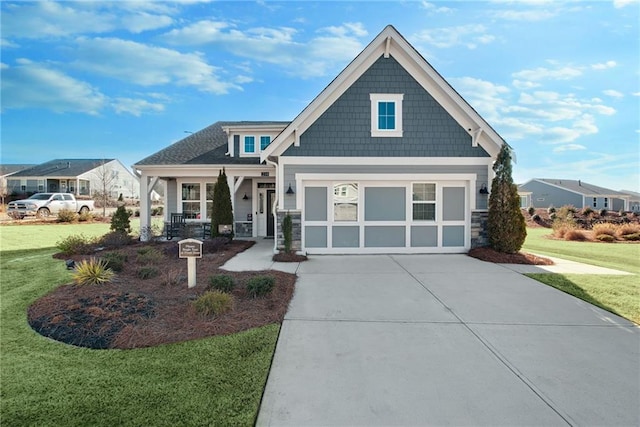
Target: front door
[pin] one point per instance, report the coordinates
(270, 221)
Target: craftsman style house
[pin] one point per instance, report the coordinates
(386, 159)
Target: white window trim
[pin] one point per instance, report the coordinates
(386, 97)
(256, 146)
(433, 202)
(260, 149)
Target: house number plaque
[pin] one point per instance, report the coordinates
(191, 249)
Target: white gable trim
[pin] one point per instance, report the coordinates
(389, 41)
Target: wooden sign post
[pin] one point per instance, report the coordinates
(190, 249)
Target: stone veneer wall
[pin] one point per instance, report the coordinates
(296, 234)
(479, 222)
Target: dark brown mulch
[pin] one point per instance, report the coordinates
(490, 255)
(131, 312)
(289, 257)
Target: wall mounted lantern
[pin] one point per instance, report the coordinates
(290, 190)
(483, 189)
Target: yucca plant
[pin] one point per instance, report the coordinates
(93, 271)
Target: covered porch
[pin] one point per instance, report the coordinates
(189, 192)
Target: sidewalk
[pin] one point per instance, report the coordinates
(258, 258)
(563, 266)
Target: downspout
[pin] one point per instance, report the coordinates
(273, 161)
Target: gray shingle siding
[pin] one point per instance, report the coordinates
(344, 130)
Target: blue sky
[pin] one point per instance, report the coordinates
(558, 80)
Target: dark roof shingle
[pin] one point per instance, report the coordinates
(63, 167)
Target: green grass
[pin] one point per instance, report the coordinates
(213, 381)
(617, 294)
(619, 256)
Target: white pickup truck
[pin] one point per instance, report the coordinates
(44, 204)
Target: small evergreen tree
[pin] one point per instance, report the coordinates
(505, 226)
(287, 231)
(120, 220)
(221, 210)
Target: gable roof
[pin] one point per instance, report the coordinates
(9, 169)
(63, 167)
(391, 42)
(580, 187)
(206, 146)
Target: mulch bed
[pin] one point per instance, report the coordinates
(289, 257)
(131, 312)
(490, 255)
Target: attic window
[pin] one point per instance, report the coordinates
(386, 114)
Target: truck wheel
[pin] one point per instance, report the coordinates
(43, 213)
(84, 210)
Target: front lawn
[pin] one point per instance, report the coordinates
(617, 294)
(216, 380)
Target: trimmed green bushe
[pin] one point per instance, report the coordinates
(120, 220)
(260, 285)
(222, 209)
(287, 232)
(222, 282)
(214, 303)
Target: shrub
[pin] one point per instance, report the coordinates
(214, 303)
(221, 209)
(506, 227)
(603, 212)
(605, 228)
(172, 277)
(147, 272)
(566, 212)
(120, 220)
(625, 229)
(560, 229)
(75, 244)
(587, 211)
(85, 216)
(115, 260)
(535, 217)
(221, 282)
(553, 216)
(633, 237)
(575, 234)
(260, 285)
(115, 239)
(551, 209)
(149, 256)
(92, 272)
(605, 238)
(66, 215)
(287, 231)
(531, 210)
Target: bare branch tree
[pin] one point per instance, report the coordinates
(106, 177)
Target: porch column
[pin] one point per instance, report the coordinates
(145, 211)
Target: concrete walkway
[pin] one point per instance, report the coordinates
(563, 266)
(257, 258)
(446, 340)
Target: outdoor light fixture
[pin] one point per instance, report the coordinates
(290, 190)
(483, 189)
(245, 197)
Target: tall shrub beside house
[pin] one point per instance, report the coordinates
(120, 220)
(221, 210)
(506, 226)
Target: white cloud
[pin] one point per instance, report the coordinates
(526, 15)
(604, 65)
(622, 3)
(542, 73)
(469, 36)
(520, 84)
(5, 44)
(135, 107)
(613, 93)
(49, 19)
(34, 85)
(148, 65)
(636, 94)
(316, 57)
(433, 8)
(568, 147)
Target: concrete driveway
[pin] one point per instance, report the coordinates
(446, 340)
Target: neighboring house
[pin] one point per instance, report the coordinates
(77, 176)
(386, 159)
(577, 193)
(525, 199)
(634, 200)
(5, 172)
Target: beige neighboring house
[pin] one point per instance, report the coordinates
(82, 177)
(5, 172)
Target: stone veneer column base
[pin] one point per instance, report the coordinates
(296, 232)
(479, 222)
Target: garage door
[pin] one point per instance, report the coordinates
(385, 217)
